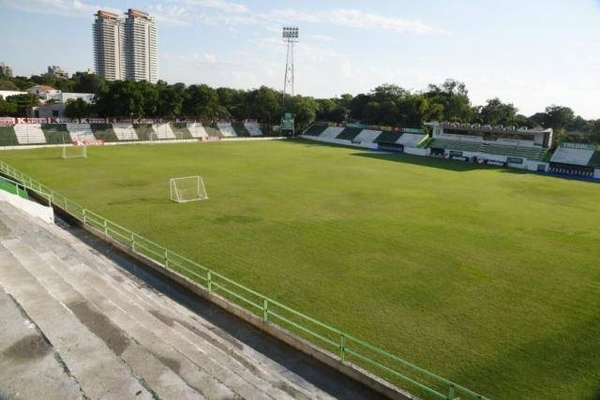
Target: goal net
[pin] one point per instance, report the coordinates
(74, 152)
(189, 188)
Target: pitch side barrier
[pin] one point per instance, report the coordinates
(332, 346)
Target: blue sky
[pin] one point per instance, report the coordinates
(530, 53)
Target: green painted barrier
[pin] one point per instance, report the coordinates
(13, 187)
(347, 347)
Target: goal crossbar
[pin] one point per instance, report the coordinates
(187, 188)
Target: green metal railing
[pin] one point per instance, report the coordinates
(13, 187)
(345, 346)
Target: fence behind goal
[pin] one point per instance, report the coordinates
(188, 188)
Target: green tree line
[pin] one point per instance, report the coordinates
(387, 104)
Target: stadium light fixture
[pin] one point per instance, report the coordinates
(290, 33)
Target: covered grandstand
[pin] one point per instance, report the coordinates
(498, 145)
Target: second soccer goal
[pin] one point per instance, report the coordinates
(188, 188)
(69, 151)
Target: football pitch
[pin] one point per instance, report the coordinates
(487, 276)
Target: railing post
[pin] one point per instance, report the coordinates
(451, 392)
(84, 217)
(132, 241)
(343, 347)
(166, 258)
(209, 281)
(105, 228)
(265, 310)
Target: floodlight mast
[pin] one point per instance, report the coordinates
(290, 37)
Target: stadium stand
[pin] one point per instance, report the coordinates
(213, 131)
(180, 131)
(253, 128)
(575, 156)
(530, 153)
(366, 136)
(315, 130)
(331, 132)
(8, 136)
(125, 131)
(145, 131)
(411, 139)
(81, 132)
(104, 132)
(349, 133)
(29, 133)
(388, 137)
(196, 130)
(226, 129)
(595, 160)
(163, 132)
(240, 129)
(457, 145)
(56, 133)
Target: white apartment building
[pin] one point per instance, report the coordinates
(125, 49)
(140, 47)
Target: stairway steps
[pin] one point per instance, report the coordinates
(28, 357)
(98, 371)
(161, 379)
(220, 345)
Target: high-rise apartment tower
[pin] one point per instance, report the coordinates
(109, 42)
(126, 49)
(140, 47)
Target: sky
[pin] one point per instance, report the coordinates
(530, 53)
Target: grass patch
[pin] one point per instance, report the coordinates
(486, 276)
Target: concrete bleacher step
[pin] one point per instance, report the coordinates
(98, 371)
(29, 133)
(234, 365)
(190, 340)
(26, 356)
(143, 351)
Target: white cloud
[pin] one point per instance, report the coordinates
(223, 5)
(355, 19)
(173, 15)
(321, 38)
(65, 8)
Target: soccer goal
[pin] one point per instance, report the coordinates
(189, 188)
(69, 151)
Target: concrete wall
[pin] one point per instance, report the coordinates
(34, 209)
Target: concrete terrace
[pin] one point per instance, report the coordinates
(74, 323)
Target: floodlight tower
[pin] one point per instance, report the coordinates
(290, 37)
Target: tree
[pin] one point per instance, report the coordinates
(558, 117)
(201, 102)
(77, 108)
(7, 84)
(22, 102)
(265, 104)
(7, 108)
(170, 99)
(88, 83)
(305, 111)
(496, 112)
(453, 98)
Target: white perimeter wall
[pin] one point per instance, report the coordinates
(28, 206)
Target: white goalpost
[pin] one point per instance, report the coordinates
(188, 188)
(71, 151)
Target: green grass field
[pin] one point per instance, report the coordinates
(486, 276)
